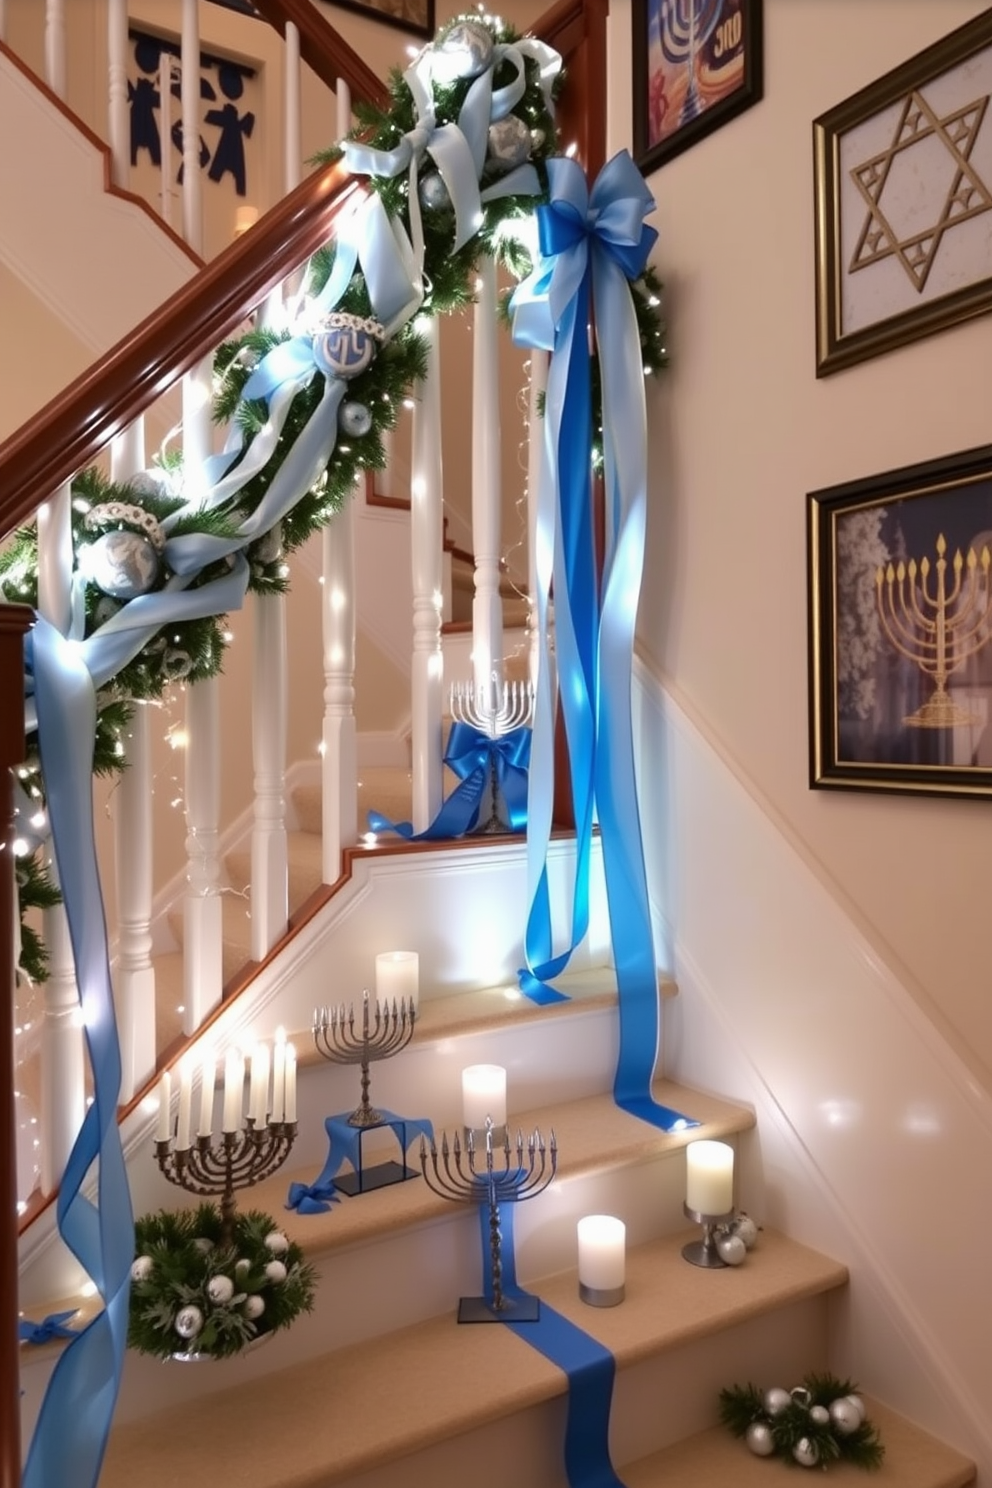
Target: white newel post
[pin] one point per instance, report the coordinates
(55, 46)
(118, 117)
(426, 531)
(535, 444)
(487, 609)
(134, 977)
(340, 762)
(63, 1099)
(190, 101)
(269, 859)
(203, 976)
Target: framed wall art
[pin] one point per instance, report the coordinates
(697, 63)
(900, 629)
(903, 178)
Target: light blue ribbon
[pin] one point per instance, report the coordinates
(592, 244)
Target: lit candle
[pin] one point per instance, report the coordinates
(601, 1252)
(483, 1094)
(207, 1076)
(164, 1131)
(234, 1090)
(397, 975)
(709, 1177)
(278, 1074)
(185, 1106)
(290, 1111)
(258, 1089)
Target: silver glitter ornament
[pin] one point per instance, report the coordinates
(189, 1321)
(806, 1452)
(142, 1268)
(220, 1289)
(509, 142)
(276, 1272)
(759, 1439)
(776, 1400)
(122, 564)
(464, 51)
(276, 1243)
(354, 419)
(433, 193)
(731, 1249)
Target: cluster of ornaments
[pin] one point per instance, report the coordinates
(735, 1238)
(842, 1416)
(221, 1290)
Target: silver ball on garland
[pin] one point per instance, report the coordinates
(859, 1406)
(276, 1243)
(743, 1225)
(142, 1268)
(176, 665)
(731, 1249)
(122, 564)
(240, 1267)
(254, 1306)
(268, 549)
(775, 1401)
(203, 1245)
(220, 1289)
(819, 1415)
(464, 51)
(153, 482)
(433, 193)
(276, 1272)
(537, 138)
(354, 419)
(759, 1439)
(845, 1417)
(189, 1321)
(509, 142)
(806, 1452)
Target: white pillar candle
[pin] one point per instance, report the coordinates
(185, 1107)
(601, 1252)
(290, 1108)
(164, 1129)
(207, 1077)
(234, 1089)
(279, 1074)
(397, 975)
(483, 1094)
(709, 1177)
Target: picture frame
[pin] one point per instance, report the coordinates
(903, 180)
(696, 65)
(900, 629)
(414, 16)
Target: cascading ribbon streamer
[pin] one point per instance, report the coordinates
(592, 243)
(474, 757)
(588, 1365)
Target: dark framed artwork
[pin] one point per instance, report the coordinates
(900, 629)
(697, 63)
(903, 189)
(416, 16)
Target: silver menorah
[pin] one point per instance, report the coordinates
(494, 709)
(242, 1159)
(527, 1169)
(336, 1038)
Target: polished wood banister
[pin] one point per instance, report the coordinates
(72, 429)
(324, 50)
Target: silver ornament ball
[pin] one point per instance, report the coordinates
(123, 564)
(819, 1415)
(254, 1306)
(276, 1272)
(433, 193)
(354, 419)
(189, 1321)
(731, 1249)
(775, 1401)
(743, 1225)
(276, 1243)
(845, 1418)
(509, 142)
(240, 1267)
(203, 1245)
(344, 350)
(464, 51)
(142, 1268)
(806, 1452)
(759, 1439)
(220, 1289)
(859, 1406)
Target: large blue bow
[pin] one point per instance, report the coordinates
(474, 757)
(51, 1327)
(592, 244)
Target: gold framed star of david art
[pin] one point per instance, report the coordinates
(903, 177)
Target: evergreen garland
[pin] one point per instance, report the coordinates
(797, 1416)
(178, 1254)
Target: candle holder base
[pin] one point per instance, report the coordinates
(601, 1296)
(513, 1310)
(365, 1180)
(704, 1252)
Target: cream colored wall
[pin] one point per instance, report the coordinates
(42, 342)
(741, 430)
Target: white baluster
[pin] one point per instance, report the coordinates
(118, 118)
(134, 979)
(427, 679)
(190, 101)
(487, 608)
(62, 1064)
(293, 148)
(55, 46)
(269, 862)
(202, 909)
(340, 765)
(166, 72)
(535, 444)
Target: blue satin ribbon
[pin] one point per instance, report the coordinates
(472, 756)
(592, 243)
(588, 1364)
(51, 1327)
(344, 1145)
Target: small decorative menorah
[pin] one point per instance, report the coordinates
(936, 627)
(494, 710)
(242, 1159)
(335, 1038)
(458, 1177)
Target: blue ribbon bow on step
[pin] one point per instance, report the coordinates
(475, 758)
(50, 1328)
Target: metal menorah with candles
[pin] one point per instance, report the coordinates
(466, 1176)
(249, 1147)
(494, 709)
(336, 1038)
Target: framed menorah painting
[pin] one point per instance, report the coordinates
(697, 63)
(903, 192)
(900, 628)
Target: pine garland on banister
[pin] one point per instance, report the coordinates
(819, 1421)
(119, 530)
